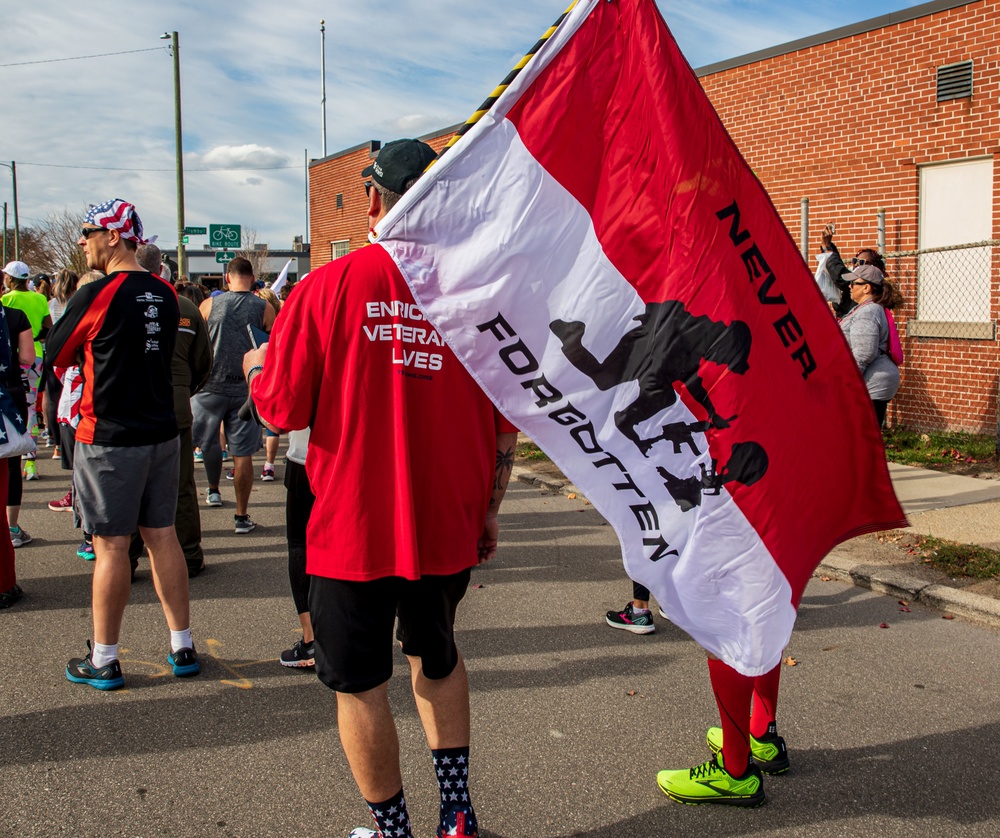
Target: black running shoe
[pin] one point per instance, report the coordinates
(83, 671)
(8, 598)
(300, 655)
(243, 524)
(184, 662)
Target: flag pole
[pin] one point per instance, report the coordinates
(491, 99)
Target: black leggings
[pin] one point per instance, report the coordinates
(880, 409)
(298, 507)
(639, 592)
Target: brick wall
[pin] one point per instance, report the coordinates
(340, 174)
(846, 124)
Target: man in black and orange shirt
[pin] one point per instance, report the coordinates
(121, 331)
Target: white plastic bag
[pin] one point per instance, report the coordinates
(825, 281)
(14, 442)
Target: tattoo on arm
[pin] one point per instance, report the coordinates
(501, 475)
(505, 462)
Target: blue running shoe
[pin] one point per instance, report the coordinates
(184, 662)
(83, 671)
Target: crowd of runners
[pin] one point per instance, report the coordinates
(130, 380)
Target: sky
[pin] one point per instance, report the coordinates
(85, 129)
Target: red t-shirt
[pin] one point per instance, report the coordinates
(402, 453)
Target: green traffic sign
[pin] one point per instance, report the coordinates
(224, 235)
(195, 231)
(224, 256)
(184, 239)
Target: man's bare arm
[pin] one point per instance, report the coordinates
(506, 444)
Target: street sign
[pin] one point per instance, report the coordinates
(195, 231)
(224, 256)
(184, 239)
(224, 235)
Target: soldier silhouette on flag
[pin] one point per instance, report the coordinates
(666, 348)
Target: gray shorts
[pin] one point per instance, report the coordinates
(213, 411)
(118, 489)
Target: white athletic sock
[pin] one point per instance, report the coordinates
(180, 640)
(102, 655)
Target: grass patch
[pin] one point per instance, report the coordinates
(529, 451)
(914, 448)
(966, 560)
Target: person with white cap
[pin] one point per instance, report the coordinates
(36, 307)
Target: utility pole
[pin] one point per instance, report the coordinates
(175, 49)
(322, 64)
(5, 232)
(17, 229)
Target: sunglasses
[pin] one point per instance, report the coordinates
(858, 282)
(85, 232)
(856, 261)
(368, 188)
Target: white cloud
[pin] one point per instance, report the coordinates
(250, 156)
(91, 129)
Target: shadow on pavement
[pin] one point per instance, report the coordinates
(826, 789)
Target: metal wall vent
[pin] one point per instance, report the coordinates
(954, 81)
(340, 200)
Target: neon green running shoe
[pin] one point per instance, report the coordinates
(711, 783)
(769, 752)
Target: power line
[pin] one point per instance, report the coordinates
(134, 169)
(81, 57)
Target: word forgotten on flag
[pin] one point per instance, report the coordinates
(522, 363)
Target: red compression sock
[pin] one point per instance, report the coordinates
(733, 693)
(765, 701)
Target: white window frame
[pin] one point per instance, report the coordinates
(343, 245)
(955, 208)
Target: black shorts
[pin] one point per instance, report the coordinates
(353, 623)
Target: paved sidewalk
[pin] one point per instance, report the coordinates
(948, 506)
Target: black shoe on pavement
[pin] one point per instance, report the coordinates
(83, 671)
(243, 524)
(8, 598)
(300, 655)
(184, 662)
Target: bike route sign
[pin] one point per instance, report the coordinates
(224, 235)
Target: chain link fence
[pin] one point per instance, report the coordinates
(948, 291)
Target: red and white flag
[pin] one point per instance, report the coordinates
(604, 262)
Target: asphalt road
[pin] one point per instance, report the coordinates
(892, 732)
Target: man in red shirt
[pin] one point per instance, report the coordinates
(394, 529)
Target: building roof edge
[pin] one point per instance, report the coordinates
(891, 19)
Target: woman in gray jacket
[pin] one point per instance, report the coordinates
(867, 332)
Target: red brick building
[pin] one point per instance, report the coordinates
(902, 114)
(338, 207)
(896, 117)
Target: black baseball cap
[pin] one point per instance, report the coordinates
(398, 163)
